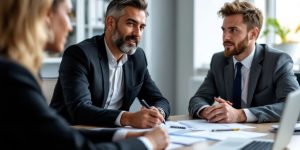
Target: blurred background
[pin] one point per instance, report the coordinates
(180, 38)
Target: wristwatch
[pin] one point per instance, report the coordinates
(161, 111)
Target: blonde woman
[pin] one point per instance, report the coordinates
(27, 121)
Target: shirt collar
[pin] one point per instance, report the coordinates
(247, 61)
(111, 59)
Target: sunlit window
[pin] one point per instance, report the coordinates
(288, 13)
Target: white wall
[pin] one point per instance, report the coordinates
(208, 33)
(184, 53)
(160, 46)
(169, 49)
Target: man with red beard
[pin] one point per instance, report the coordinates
(100, 77)
(248, 82)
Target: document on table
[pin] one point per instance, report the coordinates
(201, 124)
(222, 135)
(185, 140)
(202, 129)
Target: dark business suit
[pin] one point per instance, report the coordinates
(27, 122)
(82, 87)
(271, 78)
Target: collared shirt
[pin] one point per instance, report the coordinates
(245, 71)
(116, 80)
(116, 83)
(116, 92)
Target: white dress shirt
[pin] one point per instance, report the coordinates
(116, 93)
(245, 70)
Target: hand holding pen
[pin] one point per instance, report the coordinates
(145, 104)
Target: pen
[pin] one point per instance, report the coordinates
(234, 129)
(178, 127)
(144, 103)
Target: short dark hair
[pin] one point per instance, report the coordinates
(252, 16)
(116, 6)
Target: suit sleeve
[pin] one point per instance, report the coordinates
(74, 74)
(284, 82)
(205, 93)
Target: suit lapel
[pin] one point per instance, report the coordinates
(255, 71)
(228, 77)
(127, 69)
(104, 66)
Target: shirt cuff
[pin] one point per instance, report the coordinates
(204, 106)
(250, 116)
(146, 142)
(120, 135)
(118, 120)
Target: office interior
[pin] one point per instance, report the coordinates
(179, 40)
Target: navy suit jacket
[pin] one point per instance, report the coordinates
(82, 87)
(271, 78)
(29, 123)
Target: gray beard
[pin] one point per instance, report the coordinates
(127, 50)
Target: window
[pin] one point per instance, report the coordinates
(207, 31)
(288, 13)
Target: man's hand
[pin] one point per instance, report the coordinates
(223, 112)
(145, 118)
(158, 137)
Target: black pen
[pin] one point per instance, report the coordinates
(178, 127)
(144, 103)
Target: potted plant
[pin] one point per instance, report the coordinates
(289, 46)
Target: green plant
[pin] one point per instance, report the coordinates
(279, 30)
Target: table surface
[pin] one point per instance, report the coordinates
(262, 128)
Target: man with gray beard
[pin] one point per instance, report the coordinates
(248, 82)
(100, 77)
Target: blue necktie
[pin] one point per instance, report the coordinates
(237, 86)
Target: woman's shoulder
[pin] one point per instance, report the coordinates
(10, 70)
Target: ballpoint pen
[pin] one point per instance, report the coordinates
(144, 103)
(233, 129)
(178, 127)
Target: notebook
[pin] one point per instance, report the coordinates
(285, 130)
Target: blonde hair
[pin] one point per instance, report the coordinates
(23, 32)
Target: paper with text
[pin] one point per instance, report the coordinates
(201, 124)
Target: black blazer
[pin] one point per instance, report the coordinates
(27, 122)
(82, 87)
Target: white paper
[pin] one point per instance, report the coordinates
(185, 140)
(172, 146)
(201, 124)
(222, 135)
